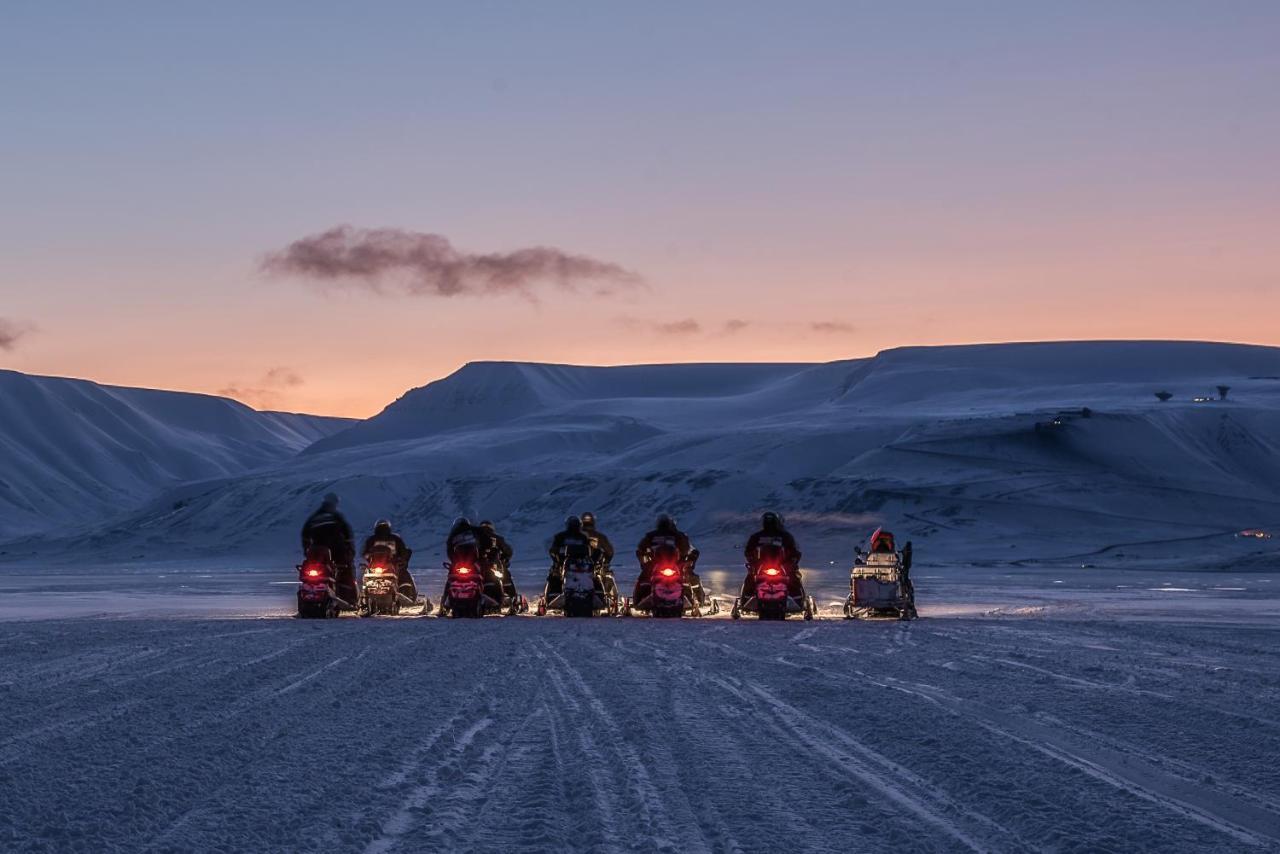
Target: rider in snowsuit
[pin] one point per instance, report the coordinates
(471, 545)
(666, 535)
(388, 542)
(772, 539)
(603, 550)
(572, 542)
(499, 555)
(326, 528)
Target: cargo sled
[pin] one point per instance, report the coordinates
(880, 581)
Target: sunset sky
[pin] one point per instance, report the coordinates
(721, 181)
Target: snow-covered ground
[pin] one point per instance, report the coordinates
(1027, 710)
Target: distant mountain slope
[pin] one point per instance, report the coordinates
(483, 394)
(73, 452)
(960, 448)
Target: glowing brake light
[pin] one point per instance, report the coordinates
(668, 572)
(312, 573)
(464, 570)
(376, 570)
(771, 571)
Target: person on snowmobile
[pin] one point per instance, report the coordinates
(499, 554)
(468, 545)
(327, 528)
(570, 543)
(772, 540)
(387, 541)
(666, 536)
(602, 550)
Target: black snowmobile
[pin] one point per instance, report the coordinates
(582, 590)
(473, 589)
(671, 591)
(880, 582)
(774, 593)
(318, 591)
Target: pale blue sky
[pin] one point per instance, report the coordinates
(967, 171)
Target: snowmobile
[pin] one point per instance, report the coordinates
(673, 591)
(318, 585)
(473, 591)
(583, 592)
(772, 598)
(880, 581)
(382, 591)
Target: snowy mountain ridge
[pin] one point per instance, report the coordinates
(74, 451)
(962, 448)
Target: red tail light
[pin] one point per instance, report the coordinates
(668, 572)
(463, 570)
(771, 571)
(313, 573)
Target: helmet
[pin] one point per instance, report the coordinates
(573, 524)
(665, 523)
(330, 501)
(771, 521)
(382, 526)
(460, 523)
(589, 520)
(487, 525)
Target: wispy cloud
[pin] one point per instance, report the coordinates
(11, 331)
(733, 326)
(688, 326)
(683, 326)
(266, 392)
(394, 261)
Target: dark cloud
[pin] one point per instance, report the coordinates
(394, 261)
(10, 333)
(732, 326)
(831, 326)
(266, 392)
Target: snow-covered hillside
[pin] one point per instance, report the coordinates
(75, 452)
(960, 448)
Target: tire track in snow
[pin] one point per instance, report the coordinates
(1243, 822)
(846, 756)
(649, 799)
(16, 745)
(602, 792)
(399, 822)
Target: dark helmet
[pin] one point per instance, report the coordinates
(666, 524)
(771, 522)
(382, 527)
(459, 524)
(573, 524)
(487, 524)
(330, 501)
(589, 521)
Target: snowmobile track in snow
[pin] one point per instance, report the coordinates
(617, 735)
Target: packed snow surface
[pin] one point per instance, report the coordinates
(1026, 711)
